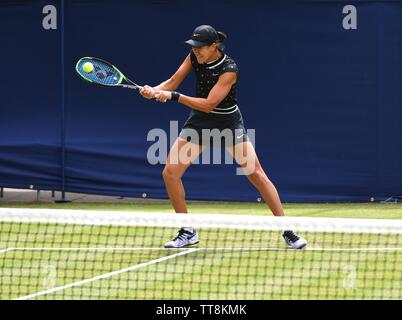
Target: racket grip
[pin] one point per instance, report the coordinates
(130, 86)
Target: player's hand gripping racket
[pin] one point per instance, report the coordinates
(98, 71)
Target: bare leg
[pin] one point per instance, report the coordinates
(180, 157)
(245, 156)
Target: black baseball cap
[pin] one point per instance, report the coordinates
(203, 35)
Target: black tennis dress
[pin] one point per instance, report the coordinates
(226, 115)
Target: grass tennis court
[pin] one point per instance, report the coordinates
(37, 258)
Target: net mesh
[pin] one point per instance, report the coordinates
(73, 254)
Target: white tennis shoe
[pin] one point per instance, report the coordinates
(186, 237)
(293, 240)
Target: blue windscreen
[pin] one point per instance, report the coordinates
(319, 82)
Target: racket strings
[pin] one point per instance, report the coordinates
(101, 74)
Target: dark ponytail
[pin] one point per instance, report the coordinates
(221, 39)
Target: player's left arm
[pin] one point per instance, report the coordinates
(219, 92)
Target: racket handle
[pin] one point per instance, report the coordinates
(130, 86)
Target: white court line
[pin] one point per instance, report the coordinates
(106, 275)
(352, 249)
(204, 249)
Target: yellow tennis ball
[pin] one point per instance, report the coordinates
(88, 67)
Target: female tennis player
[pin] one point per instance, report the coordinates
(214, 107)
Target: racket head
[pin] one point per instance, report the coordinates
(104, 73)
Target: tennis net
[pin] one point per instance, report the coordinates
(76, 254)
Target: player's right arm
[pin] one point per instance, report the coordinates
(170, 84)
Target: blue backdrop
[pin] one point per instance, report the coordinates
(325, 101)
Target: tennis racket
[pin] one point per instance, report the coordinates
(103, 73)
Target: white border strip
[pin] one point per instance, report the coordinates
(228, 112)
(106, 275)
(166, 220)
(6, 250)
(210, 249)
(215, 65)
(226, 109)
